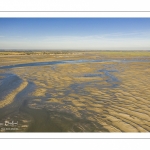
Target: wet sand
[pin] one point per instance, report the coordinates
(75, 92)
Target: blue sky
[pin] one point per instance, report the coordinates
(75, 33)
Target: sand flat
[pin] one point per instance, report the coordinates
(107, 93)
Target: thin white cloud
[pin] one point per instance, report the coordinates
(15, 36)
(112, 41)
(96, 37)
(128, 34)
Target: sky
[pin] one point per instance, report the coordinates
(75, 33)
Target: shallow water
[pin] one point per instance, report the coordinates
(70, 62)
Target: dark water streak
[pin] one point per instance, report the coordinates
(67, 62)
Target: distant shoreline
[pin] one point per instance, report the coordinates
(72, 51)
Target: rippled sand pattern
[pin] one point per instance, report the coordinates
(10, 97)
(111, 96)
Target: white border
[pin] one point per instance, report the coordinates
(74, 5)
(75, 14)
(84, 135)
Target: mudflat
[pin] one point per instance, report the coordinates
(75, 91)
